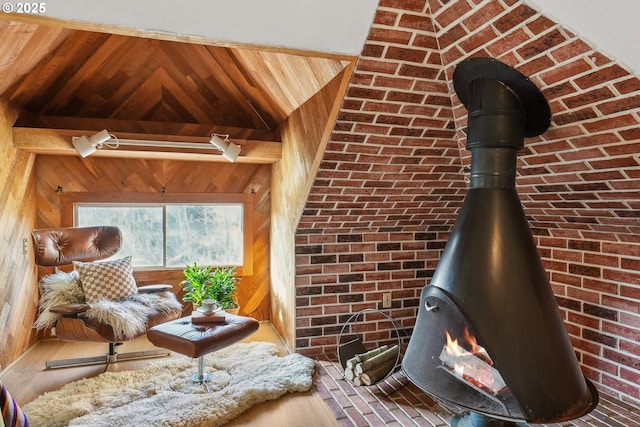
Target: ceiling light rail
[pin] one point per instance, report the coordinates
(85, 146)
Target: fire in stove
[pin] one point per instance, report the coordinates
(471, 364)
(489, 337)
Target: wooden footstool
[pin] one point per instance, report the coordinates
(198, 339)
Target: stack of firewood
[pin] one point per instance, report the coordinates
(370, 367)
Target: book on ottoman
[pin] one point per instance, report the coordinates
(199, 317)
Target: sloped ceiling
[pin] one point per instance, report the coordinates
(329, 26)
(333, 26)
(612, 29)
(68, 80)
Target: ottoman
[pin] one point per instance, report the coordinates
(197, 339)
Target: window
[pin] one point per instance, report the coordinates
(172, 235)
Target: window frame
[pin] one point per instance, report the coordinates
(70, 200)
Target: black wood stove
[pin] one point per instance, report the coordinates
(489, 336)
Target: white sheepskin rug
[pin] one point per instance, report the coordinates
(162, 393)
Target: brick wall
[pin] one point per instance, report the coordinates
(395, 173)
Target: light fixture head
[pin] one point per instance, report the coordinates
(230, 151)
(83, 146)
(87, 146)
(219, 143)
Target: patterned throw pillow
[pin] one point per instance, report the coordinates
(111, 280)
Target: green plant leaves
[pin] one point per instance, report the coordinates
(207, 282)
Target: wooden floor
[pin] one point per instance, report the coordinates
(27, 378)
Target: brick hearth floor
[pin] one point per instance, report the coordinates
(408, 406)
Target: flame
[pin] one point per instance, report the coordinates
(471, 362)
(455, 349)
(452, 347)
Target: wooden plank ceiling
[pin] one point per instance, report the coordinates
(68, 82)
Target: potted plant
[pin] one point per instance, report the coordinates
(207, 282)
(223, 288)
(196, 284)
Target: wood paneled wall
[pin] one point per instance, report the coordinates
(57, 176)
(304, 137)
(18, 293)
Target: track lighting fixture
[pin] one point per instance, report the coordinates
(89, 145)
(230, 151)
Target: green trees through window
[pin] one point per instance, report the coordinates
(172, 235)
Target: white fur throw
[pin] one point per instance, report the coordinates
(127, 317)
(57, 289)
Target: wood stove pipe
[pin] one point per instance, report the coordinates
(491, 270)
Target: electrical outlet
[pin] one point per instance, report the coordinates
(386, 300)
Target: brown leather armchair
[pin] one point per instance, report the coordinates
(62, 246)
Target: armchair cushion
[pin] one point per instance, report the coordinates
(111, 280)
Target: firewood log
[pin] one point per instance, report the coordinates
(351, 363)
(357, 380)
(470, 368)
(388, 354)
(349, 374)
(364, 356)
(377, 373)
